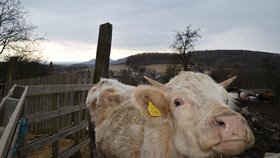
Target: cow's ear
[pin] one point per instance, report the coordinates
(154, 82)
(152, 102)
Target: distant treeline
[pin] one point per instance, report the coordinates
(235, 58)
(254, 69)
(216, 58)
(152, 58)
(21, 69)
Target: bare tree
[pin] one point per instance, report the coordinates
(184, 44)
(16, 33)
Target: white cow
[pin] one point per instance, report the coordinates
(187, 117)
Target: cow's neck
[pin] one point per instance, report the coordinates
(158, 141)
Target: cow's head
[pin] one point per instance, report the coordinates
(102, 90)
(197, 109)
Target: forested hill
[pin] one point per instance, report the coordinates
(213, 58)
(236, 58)
(151, 58)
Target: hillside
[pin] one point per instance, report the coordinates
(236, 58)
(254, 69)
(91, 63)
(212, 58)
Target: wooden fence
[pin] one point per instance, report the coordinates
(51, 115)
(53, 110)
(74, 77)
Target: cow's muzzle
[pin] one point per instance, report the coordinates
(234, 134)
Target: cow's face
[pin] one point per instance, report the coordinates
(202, 121)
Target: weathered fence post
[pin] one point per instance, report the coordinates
(103, 52)
(11, 72)
(11, 67)
(101, 66)
(55, 125)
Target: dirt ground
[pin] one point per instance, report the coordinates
(64, 144)
(264, 120)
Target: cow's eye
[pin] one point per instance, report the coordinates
(104, 81)
(178, 102)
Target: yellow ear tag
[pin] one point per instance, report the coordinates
(153, 110)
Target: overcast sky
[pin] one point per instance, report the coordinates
(71, 26)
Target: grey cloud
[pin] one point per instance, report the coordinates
(150, 23)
